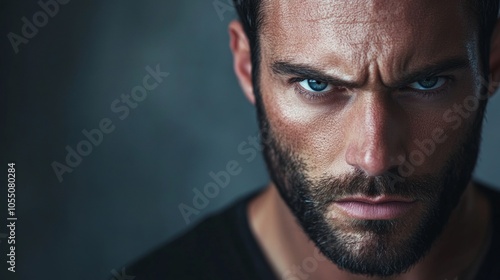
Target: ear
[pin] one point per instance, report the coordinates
(240, 47)
(495, 59)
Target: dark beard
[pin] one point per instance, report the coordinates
(388, 247)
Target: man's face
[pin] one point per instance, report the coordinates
(369, 121)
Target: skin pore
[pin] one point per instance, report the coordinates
(378, 59)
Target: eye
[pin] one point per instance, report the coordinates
(430, 83)
(315, 85)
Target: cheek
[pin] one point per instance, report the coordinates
(315, 133)
(437, 136)
(438, 132)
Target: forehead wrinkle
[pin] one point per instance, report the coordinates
(335, 12)
(329, 9)
(285, 19)
(368, 15)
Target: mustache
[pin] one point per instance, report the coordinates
(328, 189)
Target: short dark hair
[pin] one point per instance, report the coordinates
(251, 16)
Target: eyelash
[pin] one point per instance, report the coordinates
(433, 93)
(321, 95)
(312, 96)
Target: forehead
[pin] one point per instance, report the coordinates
(326, 31)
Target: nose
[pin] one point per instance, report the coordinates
(376, 135)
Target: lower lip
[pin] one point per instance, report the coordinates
(376, 211)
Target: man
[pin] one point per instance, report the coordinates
(370, 114)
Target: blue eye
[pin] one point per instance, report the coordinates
(430, 83)
(315, 85)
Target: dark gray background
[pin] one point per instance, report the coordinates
(122, 200)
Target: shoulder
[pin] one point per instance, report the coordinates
(490, 268)
(493, 196)
(213, 249)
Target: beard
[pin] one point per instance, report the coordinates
(370, 247)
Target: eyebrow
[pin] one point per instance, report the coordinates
(286, 68)
(305, 71)
(433, 69)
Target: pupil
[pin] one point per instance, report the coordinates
(429, 82)
(317, 85)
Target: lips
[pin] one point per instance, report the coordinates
(379, 208)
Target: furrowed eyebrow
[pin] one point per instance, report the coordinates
(308, 72)
(434, 69)
(305, 71)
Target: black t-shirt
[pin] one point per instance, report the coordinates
(223, 247)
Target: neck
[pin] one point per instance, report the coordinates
(456, 254)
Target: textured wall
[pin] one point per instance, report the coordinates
(122, 199)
